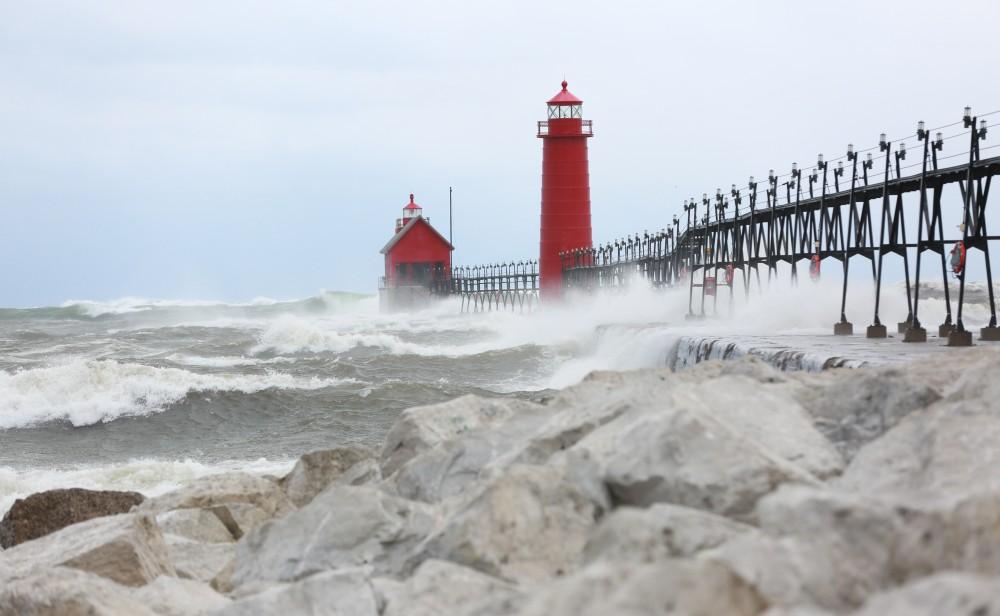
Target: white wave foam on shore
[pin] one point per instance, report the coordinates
(148, 476)
(86, 392)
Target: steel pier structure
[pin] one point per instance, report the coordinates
(500, 286)
(829, 213)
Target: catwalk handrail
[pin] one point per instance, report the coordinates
(496, 286)
(813, 227)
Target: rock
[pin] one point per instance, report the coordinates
(858, 406)
(331, 593)
(61, 591)
(194, 524)
(658, 533)
(947, 452)
(316, 470)
(365, 471)
(452, 468)
(775, 419)
(242, 501)
(684, 452)
(684, 588)
(964, 537)
(820, 548)
(170, 596)
(534, 434)
(196, 560)
(127, 548)
(421, 428)
(342, 527)
(528, 524)
(954, 594)
(439, 587)
(46, 512)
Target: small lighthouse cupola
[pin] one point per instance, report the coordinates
(410, 210)
(565, 219)
(565, 105)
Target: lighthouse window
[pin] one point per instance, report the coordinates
(565, 111)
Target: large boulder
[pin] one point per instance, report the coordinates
(818, 548)
(241, 500)
(330, 593)
(318, 469)
(682, 588)
(453, 467)
(342, 527)
(694, 444)
(954, 594)
(527, 524)
(127, 548)
(421, 428)
(962, 536)
(853, 408)
(944, 453)
(657, 533)
(45, 512)
(61, 591)
(440, 587)
(446, 461)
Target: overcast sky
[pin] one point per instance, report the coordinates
(235, 149)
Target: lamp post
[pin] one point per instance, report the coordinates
(972, 218)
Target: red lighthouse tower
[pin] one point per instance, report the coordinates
(565, 186)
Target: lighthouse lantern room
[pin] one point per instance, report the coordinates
(416, 258)
(565, 220)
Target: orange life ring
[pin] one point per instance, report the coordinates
(729, 274)
(814, 267)
(958, 258)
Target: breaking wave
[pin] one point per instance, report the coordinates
(324, 302)
(85, 392)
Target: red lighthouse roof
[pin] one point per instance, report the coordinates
(564, 97)
(411, 205)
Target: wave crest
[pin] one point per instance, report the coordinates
(85, 392)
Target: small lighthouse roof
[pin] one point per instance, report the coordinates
(411, 205)
(564, 97)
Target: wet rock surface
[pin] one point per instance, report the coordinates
(729, 488)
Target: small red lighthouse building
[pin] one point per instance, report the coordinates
(565, 220)
(416, 257)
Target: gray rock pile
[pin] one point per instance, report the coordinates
(730, 488)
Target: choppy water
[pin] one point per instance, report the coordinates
(146, 395)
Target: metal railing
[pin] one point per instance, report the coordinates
(586, 129)
(822, 225)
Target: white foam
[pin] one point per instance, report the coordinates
(200, 361)
(85, 392)
(150, 477)
(332, 300)
(290, 334)
(127, 305)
